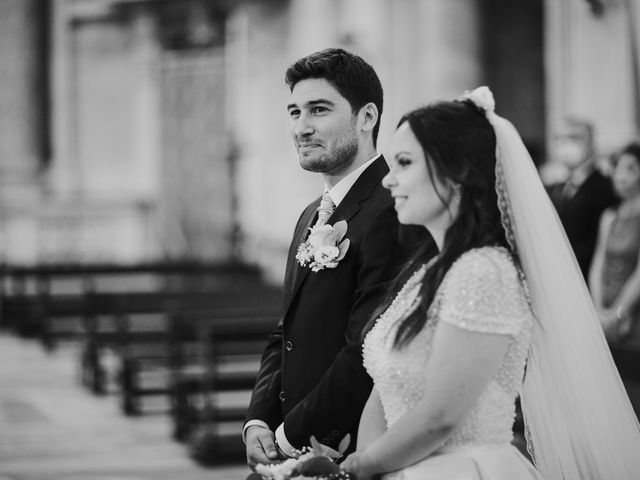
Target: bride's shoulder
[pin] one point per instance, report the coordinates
(485, 262)
(484, 291)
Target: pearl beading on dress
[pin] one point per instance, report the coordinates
(481, 292)
(397, 375)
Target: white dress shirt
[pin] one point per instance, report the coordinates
(340, 189)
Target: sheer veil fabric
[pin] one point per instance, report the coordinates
(579, 422)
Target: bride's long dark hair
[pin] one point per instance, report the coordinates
(460, 147)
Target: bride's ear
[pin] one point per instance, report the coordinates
(368, 117)
(455, 195)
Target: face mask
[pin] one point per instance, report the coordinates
(570, 153)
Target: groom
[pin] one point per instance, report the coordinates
(311, 379)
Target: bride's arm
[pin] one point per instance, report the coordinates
(372, 422)
(460, 367)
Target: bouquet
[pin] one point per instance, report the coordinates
(317, 462)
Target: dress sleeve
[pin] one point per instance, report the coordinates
(482, 292)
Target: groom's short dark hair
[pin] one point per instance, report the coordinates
(348, 73)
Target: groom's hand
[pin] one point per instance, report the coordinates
(261, 446)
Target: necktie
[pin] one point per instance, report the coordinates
(325, 209)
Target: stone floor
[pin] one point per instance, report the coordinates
(51, 428)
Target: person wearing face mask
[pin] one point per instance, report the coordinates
(581, 198)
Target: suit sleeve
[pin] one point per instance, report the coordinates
(332, 409)
(265, 404)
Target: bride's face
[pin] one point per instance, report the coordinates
(420, 198)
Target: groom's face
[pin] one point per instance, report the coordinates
(323, 127)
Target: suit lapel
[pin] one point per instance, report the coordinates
(364, 187)
(348, 208)
(299, 236)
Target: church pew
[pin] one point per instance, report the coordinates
(150, 359)
(31, 295)
(210, 403)
(135, 325)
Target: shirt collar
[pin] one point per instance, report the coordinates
(340, 189)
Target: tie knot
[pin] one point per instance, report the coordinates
(325, 209)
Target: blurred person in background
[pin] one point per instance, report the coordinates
(312, 381)
(615, 273)
(584, 194)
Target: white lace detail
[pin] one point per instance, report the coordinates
(506, 215)
(483, 293)
(480, 292)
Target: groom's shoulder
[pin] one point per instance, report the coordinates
(380, 200)
(377, 213)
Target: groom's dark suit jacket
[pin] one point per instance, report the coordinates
(311, 374)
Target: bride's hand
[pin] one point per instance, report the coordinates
(357, 465)
(617, 327)
(608, 322)
(624, 327)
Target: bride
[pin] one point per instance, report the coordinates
(449, 348)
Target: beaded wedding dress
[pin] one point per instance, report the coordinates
(481, 292)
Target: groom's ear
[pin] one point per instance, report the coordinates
(368, 117)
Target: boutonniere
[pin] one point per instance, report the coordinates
(325, 247)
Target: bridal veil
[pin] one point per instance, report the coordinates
(579, 421)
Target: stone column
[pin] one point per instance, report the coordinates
(65, 172)
(103, 176)
(271, 187)
(22, 104)
(589, 69)
(145, 58)
(435, 54)
(23, 124)
(313, 25)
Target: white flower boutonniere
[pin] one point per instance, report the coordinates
(325, 247)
